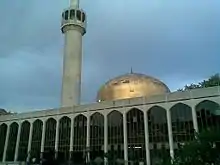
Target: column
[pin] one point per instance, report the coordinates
(43, 139)
(6, 143)
(194, 116)
(125, 138)
(57, 138)
(71, 138)
(29, 141)
(88, 139)
(105, 137)
(17, 142)
(146, 132)
(170, 133)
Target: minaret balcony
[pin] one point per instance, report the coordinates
(76, 17)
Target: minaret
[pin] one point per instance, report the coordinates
(73, 27)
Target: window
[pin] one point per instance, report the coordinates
(72, 14)
(78, 15)
(83, 17)
(66, 16)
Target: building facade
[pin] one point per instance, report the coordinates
(136, 119)
(141, 129)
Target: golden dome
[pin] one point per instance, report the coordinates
(131, 85)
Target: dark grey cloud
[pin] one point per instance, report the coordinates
(177, 42)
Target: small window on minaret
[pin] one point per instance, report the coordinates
(78, 15)
(66, 15)
(72, 14)
(83, 17)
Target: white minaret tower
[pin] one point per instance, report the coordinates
(73, 27)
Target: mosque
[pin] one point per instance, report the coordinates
(136, 118)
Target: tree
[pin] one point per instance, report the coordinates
(214, 80)
(204, 150)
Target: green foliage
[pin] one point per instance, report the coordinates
(204, 150)
(214, 80)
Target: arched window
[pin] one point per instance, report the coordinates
(115, 136)
(182, 124)
(208, 115)
(79, 139)
(3, 132)
(158, 135)
(136, 135)
(23, 143)
(64, 138)
(36, 140)
(50, 136)
(12, 142)
(96, 136)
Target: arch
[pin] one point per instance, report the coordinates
(51, 118)
(182, 123)
(23, 143)
(158, 134)
(3, 132)
(64, 138)
(13, 132)
(79, 139)
(96, 135)
(136, 135)
(115, 136)
(50, 135)
(79, 116)
(36, 139)
(208, 115)
(157, 114)
(115, 118)
(64, 118)
(101, 112)
(114, 112)
(133, 108)
(207, 104)
(97, 119)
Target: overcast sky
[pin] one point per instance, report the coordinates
(175, 41)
